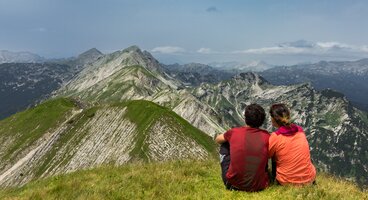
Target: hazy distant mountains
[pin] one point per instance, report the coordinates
(19, 57)
(236, 67)
(195, 73)
(349, 78)
(24, 84)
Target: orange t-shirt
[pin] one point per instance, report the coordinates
(292, 156)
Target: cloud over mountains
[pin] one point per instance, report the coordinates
(281, 53)
(168, 50)
(309, 48)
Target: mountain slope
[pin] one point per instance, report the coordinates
(72, 138)
(170, 180)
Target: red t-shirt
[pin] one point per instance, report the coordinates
(248, 158)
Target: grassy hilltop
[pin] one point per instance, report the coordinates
(57, 137)
(169, 180)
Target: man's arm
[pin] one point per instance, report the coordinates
(220, 139)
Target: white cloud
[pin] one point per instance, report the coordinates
(272, 50)
(365, 48)
(307, 47)
(168, 50)
(204, 50)
(328, 45)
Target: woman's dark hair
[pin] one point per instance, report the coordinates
(281, 114)
(254, 115)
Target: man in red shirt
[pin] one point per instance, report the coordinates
(244, 153)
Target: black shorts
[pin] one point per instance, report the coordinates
(225, 163)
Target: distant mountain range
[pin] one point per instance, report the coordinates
(24, 84)
(348, 77)
(126, 106)
(236, 67)
(194, 74)
(19, 57)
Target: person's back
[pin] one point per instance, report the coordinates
(289, 148)
(292, 158)
(248, 158)
(244, 153)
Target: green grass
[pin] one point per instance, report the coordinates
(169, 180)
(28, 126)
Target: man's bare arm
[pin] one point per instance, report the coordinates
(220, 139)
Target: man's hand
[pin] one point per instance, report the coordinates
(220, 139)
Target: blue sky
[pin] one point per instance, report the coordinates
(191, 30)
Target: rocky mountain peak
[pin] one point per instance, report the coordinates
(88, 56)
(91, 52)
(133, 48)
(251, 78)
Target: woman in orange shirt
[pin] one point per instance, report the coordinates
(289, 148)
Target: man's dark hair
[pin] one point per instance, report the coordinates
(254, 115)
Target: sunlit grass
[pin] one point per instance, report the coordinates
(169, 180)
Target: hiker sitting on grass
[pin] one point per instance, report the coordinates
(289, 149)
(244, 153)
